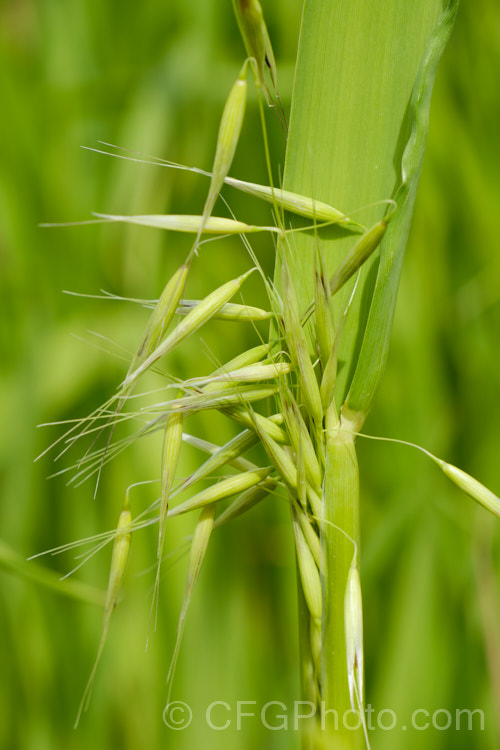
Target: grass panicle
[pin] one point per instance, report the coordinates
(318, 370)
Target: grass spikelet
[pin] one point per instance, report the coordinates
(279, 457)
(251, 374)
(353, 625)
(212, 448)
(299, 436)
(301, 477)
(193, 320)
(119, 559)
(459, 477)
(163, 314)
(171, 450)
(360, 253)
(256, 39)
(472, 487)
(328, 380)
(227, 140)
(295, 203)
(325, 331)
(356, 257)
(224, 397)
(158, 323)
(266, 425)
(190, 224)
(247, 500)
(286, 200)
(299, 350)
(230, 311)
(308, 570)
(201, 538)
(221, 490)
(329, 377)
(249, 357)
(310, 535)
(224, 455)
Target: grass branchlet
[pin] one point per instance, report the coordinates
(284, 392)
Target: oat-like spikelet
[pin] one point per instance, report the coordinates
(172, 443)
(299, 435)
(119, 559)
(360, 253)
(199, 545)
(353, 625)
(323, 312)
(295, 203)
(221, 490)
(256, 39)
(472, 487)
(309, 573)
(190, 224)
(193, 320)
(229, 311)
(247, 500)
(162, 315)
(299, 350)
(227, 140)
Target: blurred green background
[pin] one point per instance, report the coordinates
(153, 77)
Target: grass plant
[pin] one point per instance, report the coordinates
(297, 401)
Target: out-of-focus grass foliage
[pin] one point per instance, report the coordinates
(153, 77)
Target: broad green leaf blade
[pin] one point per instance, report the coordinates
(350, 121)
(374, 350)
